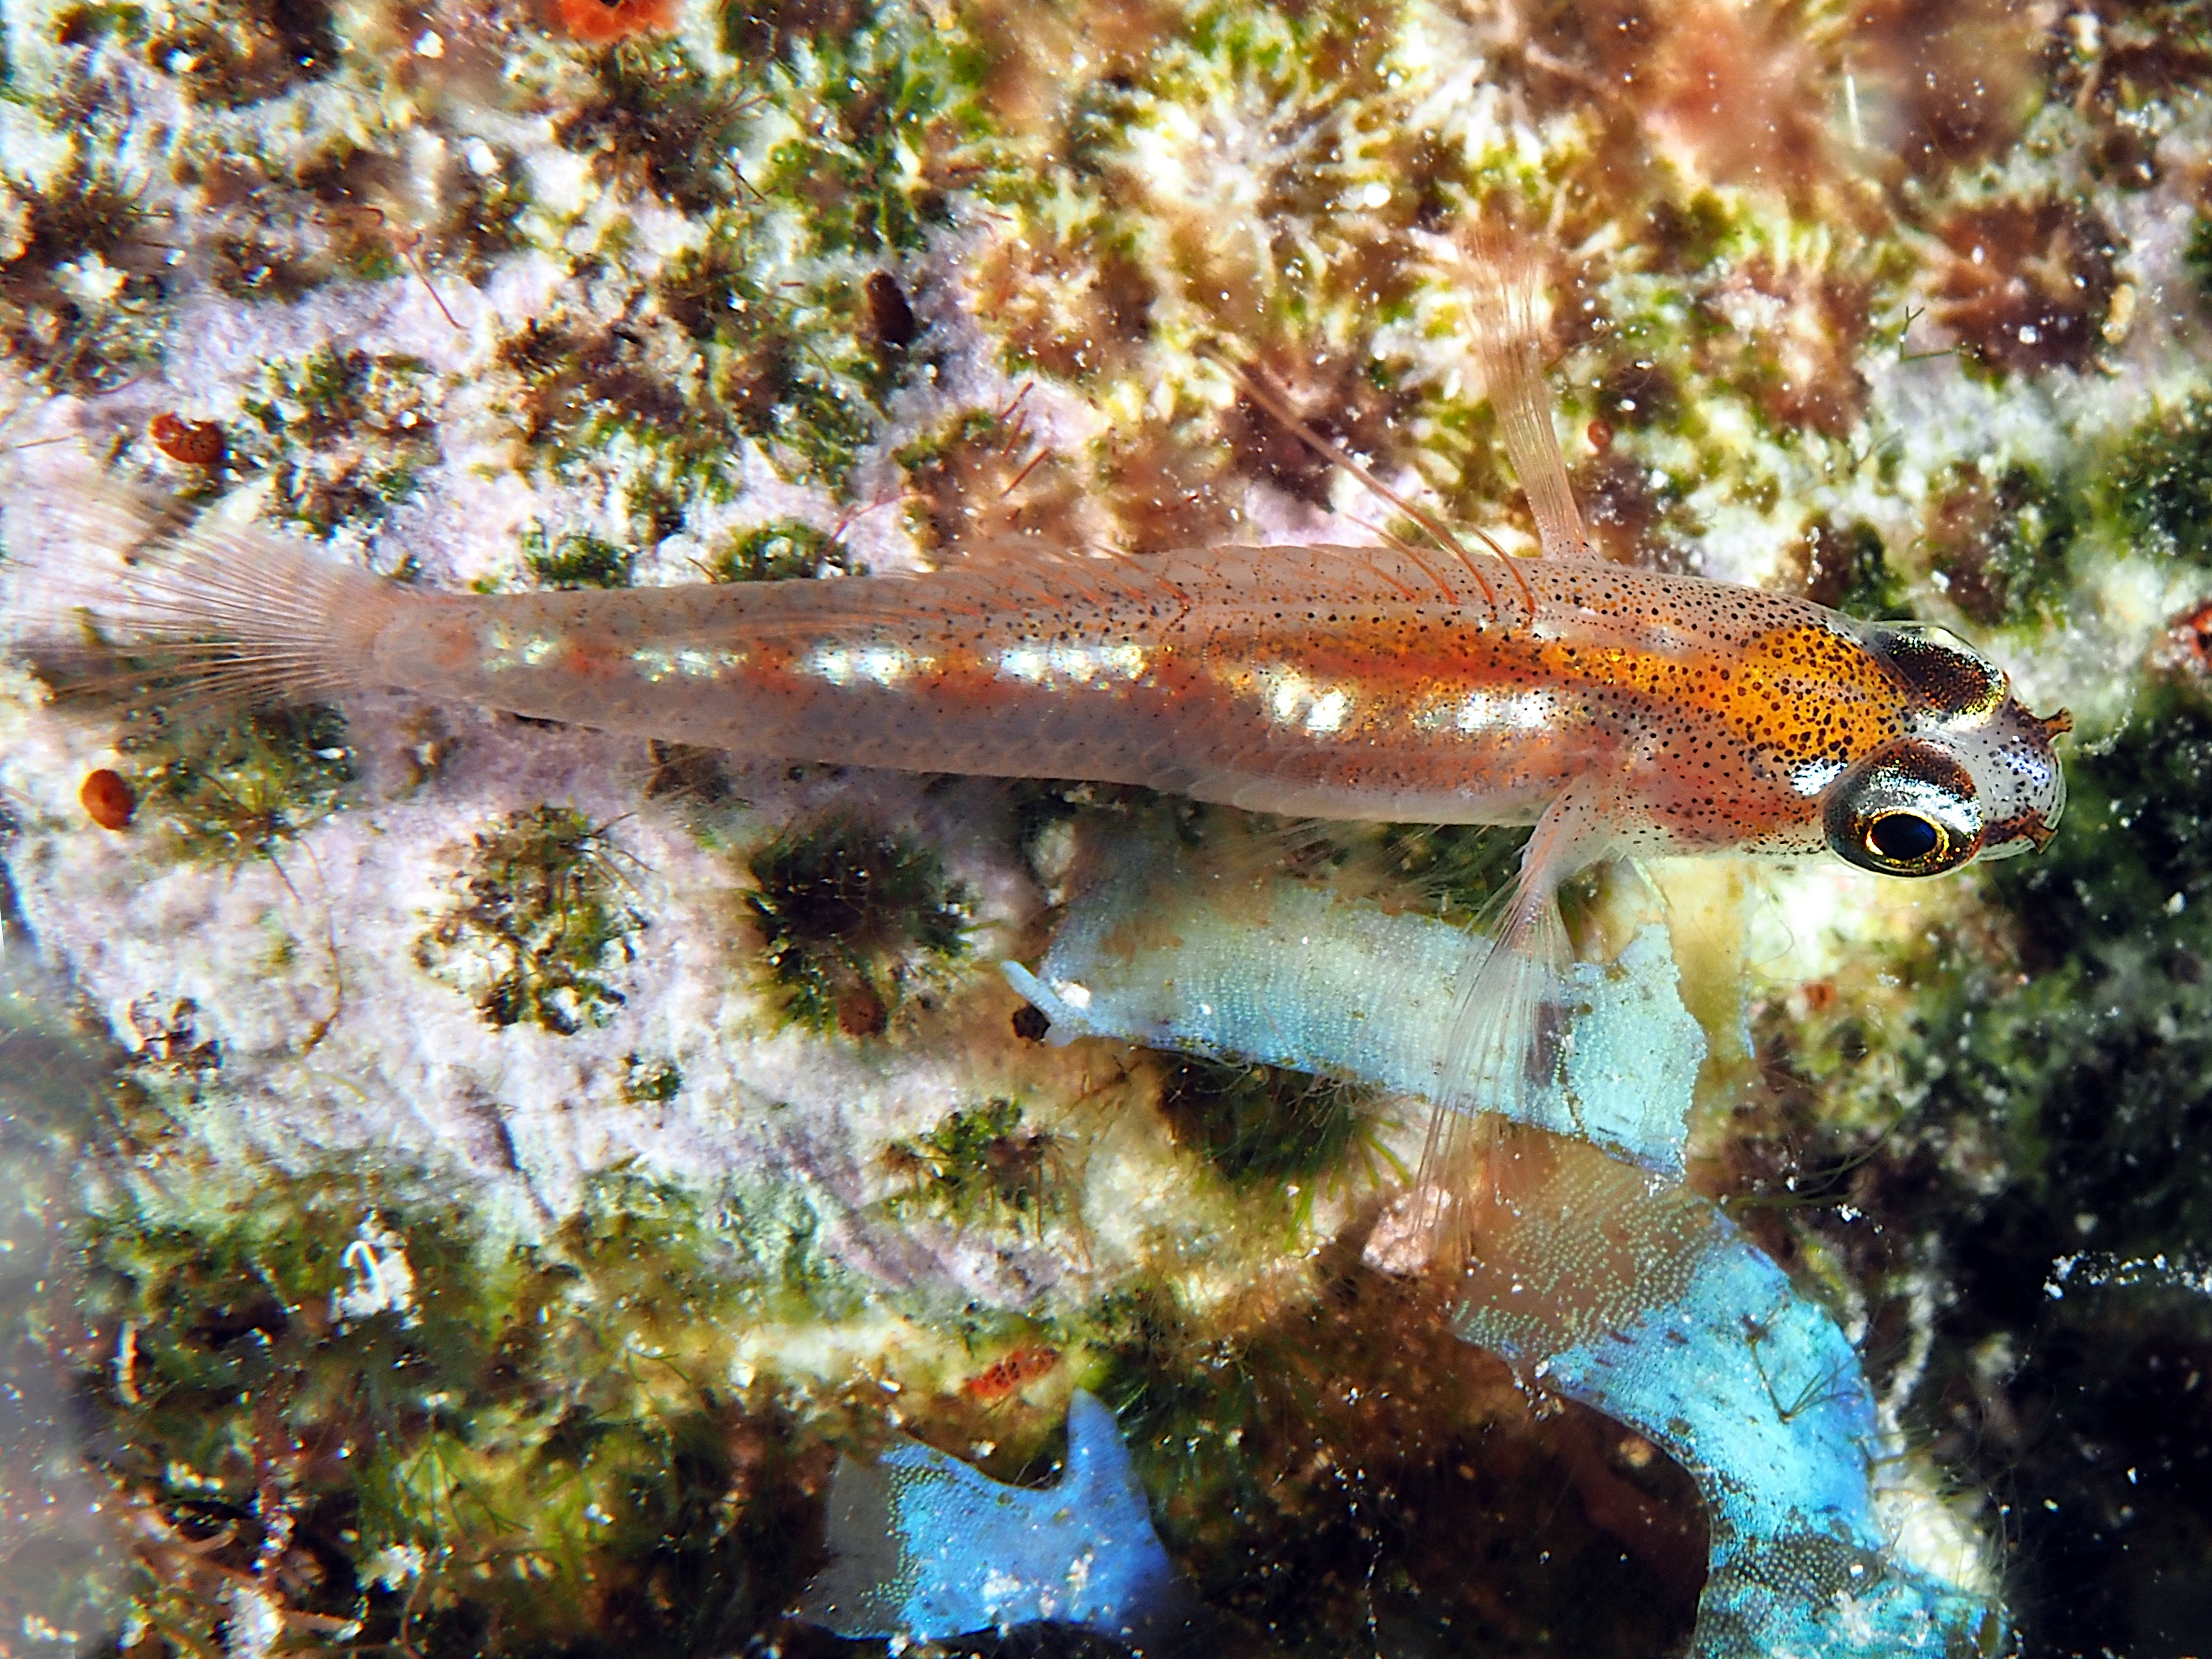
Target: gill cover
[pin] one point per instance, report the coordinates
(1976, 773)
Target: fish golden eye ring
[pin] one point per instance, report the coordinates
(1909, 809)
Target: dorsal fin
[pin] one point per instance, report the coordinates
(1503, 277)
(1265, 398)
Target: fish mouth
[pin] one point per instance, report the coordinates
(2021, 779)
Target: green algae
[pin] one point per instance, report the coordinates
(578, 559)
(343, 434)
(879, 125)
(790, 371)
(400, 1433)
(2001, 545)
(780, 550)
(547, 923)
(242, 789)
(851, 919)
(983, 1165)
(2160, 486)
(1848, 569)
(1262, 1127)
(2197, 256)
(81, 284)
(886, 120)
(2096, 1067)
(654, 120)
(1457, 869)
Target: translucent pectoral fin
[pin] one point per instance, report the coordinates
(1497, 1056)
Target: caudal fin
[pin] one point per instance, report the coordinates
(112, 589)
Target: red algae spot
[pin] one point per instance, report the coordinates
(601, 22)
(195, 443)
(861, 1013)
(2187, 645)
(109, 800)
(893, 325)
(1012, 1371)
(2027, 283)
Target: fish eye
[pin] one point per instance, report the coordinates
(1902, 837)
(1909, 809)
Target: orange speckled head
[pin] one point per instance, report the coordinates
(1974, 773)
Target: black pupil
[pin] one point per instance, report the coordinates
(1901, 837)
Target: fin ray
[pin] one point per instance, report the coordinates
(1495, 1041)
(120, 591)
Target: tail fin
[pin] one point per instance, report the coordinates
(110, 588)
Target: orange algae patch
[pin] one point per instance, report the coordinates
(600, 22)
(196, 443)
(1014, 1371)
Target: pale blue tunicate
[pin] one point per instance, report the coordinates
(1285, 974)
(1756, 1392)
(927, 1548)
(1690, 1335)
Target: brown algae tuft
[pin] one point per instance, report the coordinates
(982, 1165)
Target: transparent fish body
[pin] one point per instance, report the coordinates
(924, 1548)
(1644, 1302)
(1307, 681)
(1171, 954)
(1326, 682)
